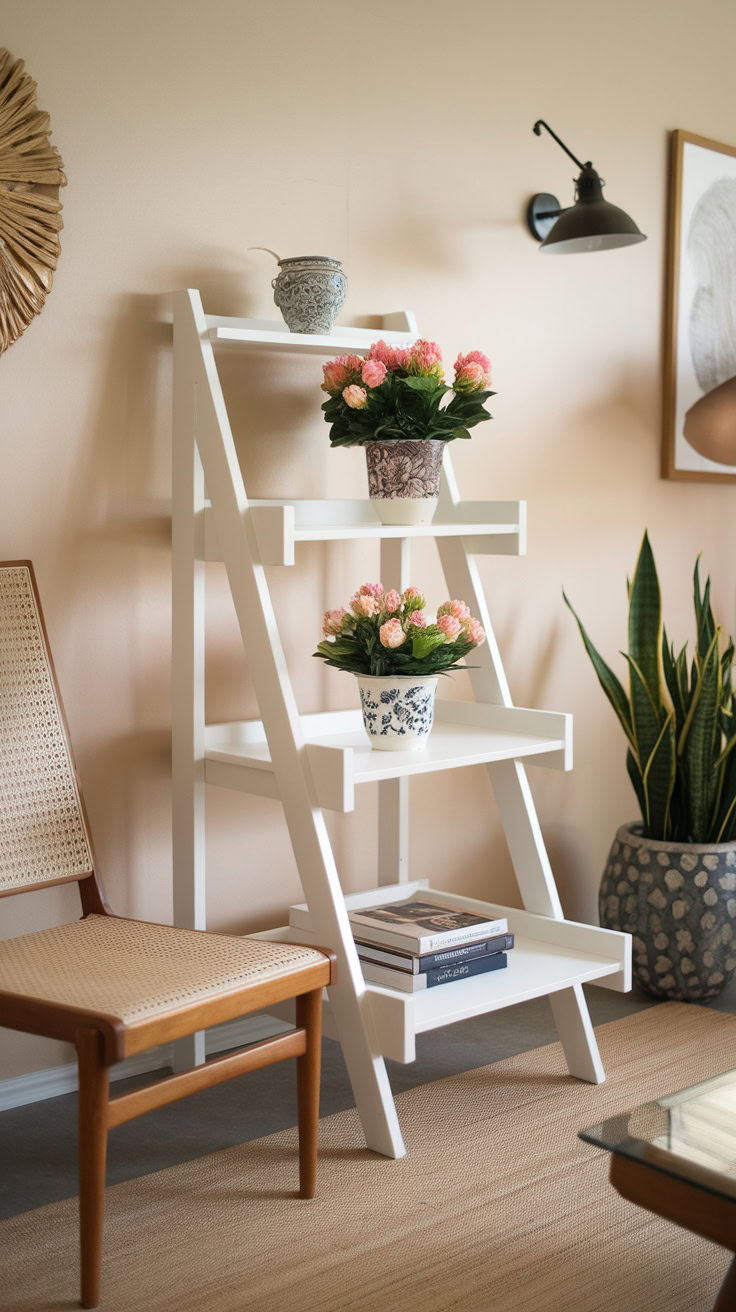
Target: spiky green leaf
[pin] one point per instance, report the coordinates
(607, 679)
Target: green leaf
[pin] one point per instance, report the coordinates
(647, 718)
(424, 643)
(607, 679)
(669, 666)
(697, 745)
(658, 780)
(645, 621)
(424, 384)
(632, 765)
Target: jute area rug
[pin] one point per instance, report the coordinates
(498, 1205)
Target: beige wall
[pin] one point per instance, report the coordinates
(397, 136)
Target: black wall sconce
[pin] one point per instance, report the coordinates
(590, 224)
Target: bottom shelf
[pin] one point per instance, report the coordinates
(548, 955)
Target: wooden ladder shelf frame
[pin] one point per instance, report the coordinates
(247, 536)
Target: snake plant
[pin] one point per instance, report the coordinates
(679, 716)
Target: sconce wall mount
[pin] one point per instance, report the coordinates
(590, 224)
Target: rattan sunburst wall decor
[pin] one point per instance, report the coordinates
(31, 171)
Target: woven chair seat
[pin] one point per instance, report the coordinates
(133, 970)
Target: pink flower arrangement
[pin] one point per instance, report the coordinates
(387, 632)
(399, 393)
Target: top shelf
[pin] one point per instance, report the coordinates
(398, 329)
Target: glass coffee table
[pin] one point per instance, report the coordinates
(676, 1157)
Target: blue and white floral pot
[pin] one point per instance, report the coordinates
(398, 710)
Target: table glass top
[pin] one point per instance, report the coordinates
(690, 1135)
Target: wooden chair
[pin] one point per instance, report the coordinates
(111, 986)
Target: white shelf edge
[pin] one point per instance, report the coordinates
(495, 528)
(273, 334)
(341, 758)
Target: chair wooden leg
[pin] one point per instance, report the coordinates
(94, 1087)
(309, 1017)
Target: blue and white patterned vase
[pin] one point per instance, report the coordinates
(310, 291)
(398, 710)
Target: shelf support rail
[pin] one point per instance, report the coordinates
(513, 795)
(267, 665)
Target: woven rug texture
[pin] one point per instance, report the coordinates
(498, 1205)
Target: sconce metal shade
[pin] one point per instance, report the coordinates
(591, 224)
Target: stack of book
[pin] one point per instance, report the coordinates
(417, 945)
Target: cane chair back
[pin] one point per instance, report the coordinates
(43, 834)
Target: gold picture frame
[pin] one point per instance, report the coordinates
(701, 190)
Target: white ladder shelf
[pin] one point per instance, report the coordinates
(315, 762)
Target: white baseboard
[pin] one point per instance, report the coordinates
(37, 1086)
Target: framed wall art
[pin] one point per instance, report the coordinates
(699, 413)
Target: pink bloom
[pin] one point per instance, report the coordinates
(472, 372)
(425, 359)
(450, 626)
(373, 373)
(338, 372)
(370, 590)
(456, 608)
(351, 362)
(365, 605)
(392, 634)
(413, 598)
(474, 631)
(336, 377)
(474, 357)
(334, 622)
(392, 601)
(356, 397)
(392, 357)
(417, 619)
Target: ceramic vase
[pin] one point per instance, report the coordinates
(310, 291)
(398, 710)
(404, 479)
(679, 902)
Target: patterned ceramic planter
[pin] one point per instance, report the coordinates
(679, 902)
(398, 710)
(310, 291)
(404, 479)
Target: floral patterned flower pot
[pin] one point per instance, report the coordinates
(310, 291)
(679, 902)
(398, 710)
(404, 479)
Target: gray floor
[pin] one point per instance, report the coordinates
(38, 1142)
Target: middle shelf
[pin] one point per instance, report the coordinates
(340, 756)
(486, 527)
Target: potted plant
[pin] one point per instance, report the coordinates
(670, 879)
(395, 404)
(397, 655)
